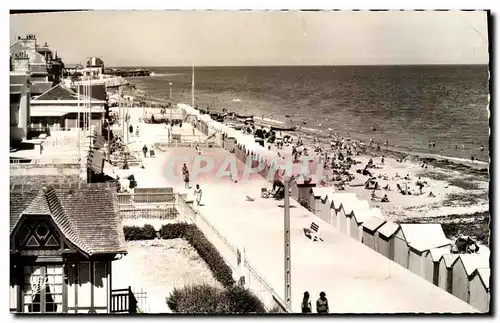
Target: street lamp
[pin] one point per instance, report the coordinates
(170, 98)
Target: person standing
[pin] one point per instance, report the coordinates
(306, 303)
(131, 130)
(137, 131)
(322, 304)
(152, 151)
(197, 194)
(145, 150)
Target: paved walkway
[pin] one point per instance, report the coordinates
(355, 278)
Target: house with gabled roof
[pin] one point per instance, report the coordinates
(370, 227)
(63, 240)
(480, 289)
(463, 269)
(59, 107)
(431, 263)
(445, 279)
(384, 240)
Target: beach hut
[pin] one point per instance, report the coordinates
(480, 289)
(420, 238)
(319, 202)
(462, 271)
(336, 202)
(348, 208)
(445, 277)
(431, 263)
(384, 240)
(358, 218)
(370, 228)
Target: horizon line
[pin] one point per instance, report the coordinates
(307, 65)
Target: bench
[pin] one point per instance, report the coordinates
(313, 232)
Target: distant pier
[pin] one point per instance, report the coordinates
(127, 73)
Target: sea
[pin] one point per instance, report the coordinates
(408, 106)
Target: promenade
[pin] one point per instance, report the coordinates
(355, 278)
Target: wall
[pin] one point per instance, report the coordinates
(342, 221)
(354, 229)
(445, 276)
(431, 269)
(401, 249)
(385, 247)
(44, 169)
(369, 239)
(416, 263)
(479, 296)
(460, 281)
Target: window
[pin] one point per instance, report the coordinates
(43, 289)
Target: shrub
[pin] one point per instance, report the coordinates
(208, 299)
(147, 232)
(197, 299)
(242, 300)
(221, 271)
(173, 231)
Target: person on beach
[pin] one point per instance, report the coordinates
(306, 303)
(385, 199)
(131, 130)
(481, 148)
(197, 194)
(322, 304)
(441, 151)
(137, 131)
(145, 150)
(386, 143)
(186, 179)
(382, 160)
(193, 131)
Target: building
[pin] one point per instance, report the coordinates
(370, 228)
(445, 279)
(95, 68)
(462, 271)
(480, 289)
(58, 108)
(349, 208)
(43, 68)
(357, 220)
(63, 242)
(336, 203)
(19, 107)
(420, 238)
(319, 202)
(384, 240)
(431, 263)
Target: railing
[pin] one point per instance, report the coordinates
(147, 205)
(46, 161)
(230, 254)
(123, 301)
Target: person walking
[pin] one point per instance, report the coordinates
(137, 131)
(306, 303)
(197, 194)
(131, 130)
(185, 174)
(145, 150)
(322, 304)
(152, 152)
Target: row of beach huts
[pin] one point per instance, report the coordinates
(421, 248)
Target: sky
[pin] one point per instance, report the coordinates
(238, 38)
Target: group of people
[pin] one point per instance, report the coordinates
(321, 304)
(197, 191)
(151, 151)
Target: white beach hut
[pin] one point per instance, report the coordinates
(431, 263)
(421, 238)
(445, 278)
(348, 208)
(319, 202)
(358, 218)
(463, 269)
(412, 240)
(336, 206)
(384, 240)
(480, 289)
(370, 228)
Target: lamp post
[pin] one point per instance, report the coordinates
(288, 255)
(170, 99)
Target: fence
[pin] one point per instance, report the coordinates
(123, 301)
(46, 161)
(254, 281)
(147, 205)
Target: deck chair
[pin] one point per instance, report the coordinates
(264, 193)
(313, 232)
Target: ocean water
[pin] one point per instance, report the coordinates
(406, 105)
